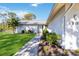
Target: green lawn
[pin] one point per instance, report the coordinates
(11, 43)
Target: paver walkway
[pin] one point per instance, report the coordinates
(30, 48)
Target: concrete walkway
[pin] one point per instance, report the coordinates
(30, 48)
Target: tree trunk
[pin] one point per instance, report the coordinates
(14, 30)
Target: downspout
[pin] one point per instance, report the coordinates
(64, 16)
(65, 19)
(69, 8)
(63, 36)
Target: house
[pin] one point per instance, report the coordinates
(64, 20)
(34, 25)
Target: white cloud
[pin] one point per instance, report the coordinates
(35, 5)
(19, 13)
(3, 9)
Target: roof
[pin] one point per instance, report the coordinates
(32, 22)
(54, 11)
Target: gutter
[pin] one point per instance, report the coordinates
(52, 16)
(69, 8)
(54, 11)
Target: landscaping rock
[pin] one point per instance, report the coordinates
(60, 51)
(45, 49)
(41, 53)
(45, 43)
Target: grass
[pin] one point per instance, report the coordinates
(11, 43)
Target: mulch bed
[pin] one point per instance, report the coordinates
(45, 49)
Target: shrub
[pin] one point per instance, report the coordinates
(52, 38)
(45, 32)
(1, 30)
(23, 31)
(77, 51)
(30, 31)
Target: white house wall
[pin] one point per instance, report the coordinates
(20, 28)
(71, 40)
(27, 27)
(61, 25)
(57, 24)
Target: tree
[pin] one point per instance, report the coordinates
(12, 21)
(11, 15)
(3, 16)
(29, 16)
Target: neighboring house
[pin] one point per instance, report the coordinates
(64, 20)
(34, 25)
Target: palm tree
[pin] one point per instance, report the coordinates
(12, 21)
(29, 16)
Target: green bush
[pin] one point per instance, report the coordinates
(45, 32)
(30, 31)
(77, 51)
(27, 32)
(23, 31)
(52, 38)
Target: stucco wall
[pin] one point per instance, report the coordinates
(57, 23)
(20, 28)
(30, 27)
(60, 25)
(71, 40)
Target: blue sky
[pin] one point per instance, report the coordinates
(40, 10)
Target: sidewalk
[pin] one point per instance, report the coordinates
(30, 48)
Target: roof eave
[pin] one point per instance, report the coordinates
(54, 11)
